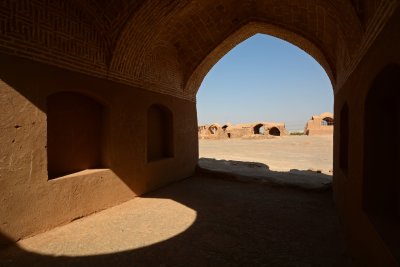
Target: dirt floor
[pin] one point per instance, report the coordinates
(208, 221)
(197, 222)
(280, 153)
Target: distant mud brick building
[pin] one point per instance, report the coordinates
(320, 124)
(213, 131)
(257, 130)
(98, 103)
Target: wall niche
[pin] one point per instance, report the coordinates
(160, 141)
(381, 179)
(75, 124)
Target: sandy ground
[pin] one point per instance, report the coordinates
(197, 222)
(280, 153)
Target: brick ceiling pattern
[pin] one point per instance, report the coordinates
(168, 46)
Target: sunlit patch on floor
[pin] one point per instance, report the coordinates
(137, 223)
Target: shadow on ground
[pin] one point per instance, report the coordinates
(237, 224)
(255, 172)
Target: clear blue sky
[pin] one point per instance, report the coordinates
(264, 79)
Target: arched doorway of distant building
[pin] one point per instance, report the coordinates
(274, 131)
(259, 129)
(327, 121)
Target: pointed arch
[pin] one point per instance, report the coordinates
(194, 81)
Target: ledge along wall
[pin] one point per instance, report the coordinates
(30, 202)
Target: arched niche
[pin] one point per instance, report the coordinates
(381, 178)
(160, 133)
(74, 133)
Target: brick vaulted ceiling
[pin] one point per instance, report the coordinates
(168, 46)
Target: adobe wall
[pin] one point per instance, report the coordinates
(136, 48)
(31, 203)
(247, 130)
(314, 126)
(365, 238)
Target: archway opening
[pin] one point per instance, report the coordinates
(259, 129)
(265, 79)
(327, 121)
(213, 129)
(274, 131)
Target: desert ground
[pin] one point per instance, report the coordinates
(279, 153)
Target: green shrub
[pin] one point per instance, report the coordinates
(297, 133)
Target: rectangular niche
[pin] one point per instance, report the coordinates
(344, 138)
(74, 134)
(160, 143)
